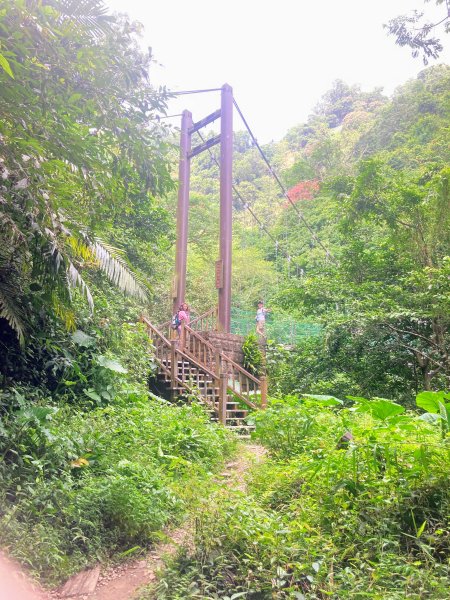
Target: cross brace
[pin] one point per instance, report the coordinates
(206, 121)
(208, 144)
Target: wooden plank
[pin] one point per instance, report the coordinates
(208, 144)
(81, 584)
(209, 119)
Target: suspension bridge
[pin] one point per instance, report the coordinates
(204, 357)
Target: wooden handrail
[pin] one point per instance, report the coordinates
(191, 332)
(153, 328)
(239, 368)
(198, 322)
(209, 361)
(183, 354)
(208, 313)
(171, 351)
(219, 360)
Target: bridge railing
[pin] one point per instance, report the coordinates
(248, 388)
(181, 367)
(208, 362)
(207, 321)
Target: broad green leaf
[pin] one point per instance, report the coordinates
(82, 339)
(357, 399)
(324, 400)
(381, 408)
(429, 401)
(111, 364)
(92, 395)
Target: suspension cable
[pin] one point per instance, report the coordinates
(236, 191)
(245, 204)
(283, 189)
(185, 92)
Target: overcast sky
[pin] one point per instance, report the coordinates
(279, 56)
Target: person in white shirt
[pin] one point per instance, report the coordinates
(261, 318)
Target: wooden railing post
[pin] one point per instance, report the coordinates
(263, 387)
(217, 363)
(173, 366)
(182, 337)
(223, 398)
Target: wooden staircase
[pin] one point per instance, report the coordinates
(191, 365)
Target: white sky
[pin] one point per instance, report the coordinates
(279, 56)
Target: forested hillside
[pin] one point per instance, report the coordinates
(93, 465)
(370, 175)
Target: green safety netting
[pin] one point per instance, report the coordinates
(279, 328)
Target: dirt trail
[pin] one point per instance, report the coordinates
(125, 581)
(14, 585)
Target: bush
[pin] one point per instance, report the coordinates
(253, 357)
(359, 516)
(80, 486)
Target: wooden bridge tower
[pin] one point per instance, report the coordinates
(223, 264)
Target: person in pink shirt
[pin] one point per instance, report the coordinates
(183, 315)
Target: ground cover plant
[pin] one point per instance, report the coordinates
(78, 487)
(354, 502)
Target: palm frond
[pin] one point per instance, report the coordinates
(112, 263)
(89, 14)
(10, 229)
(75, 280)
(81, 248)
(64, 312)
(11, 310)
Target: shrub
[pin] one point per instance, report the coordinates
(359, 516)
(80, 486)
(253, 357)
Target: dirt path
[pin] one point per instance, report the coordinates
(14, 585)
(125, 581)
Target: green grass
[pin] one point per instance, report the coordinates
(78, 487)
(326, 519)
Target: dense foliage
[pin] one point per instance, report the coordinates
(353, 503)
(382, 212)
(91, 464)
(77, 487)
(82, 157)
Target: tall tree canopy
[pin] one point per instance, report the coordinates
(83, 152)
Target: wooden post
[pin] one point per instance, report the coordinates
(173, 367)
(223, 398)
(226, 207)
(263, 381)
(217, 365)
(182, 337)
(182, 211)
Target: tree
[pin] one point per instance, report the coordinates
(81, 146)
(414, 31)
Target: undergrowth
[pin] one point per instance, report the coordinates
(352, 503)
(77, 487)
